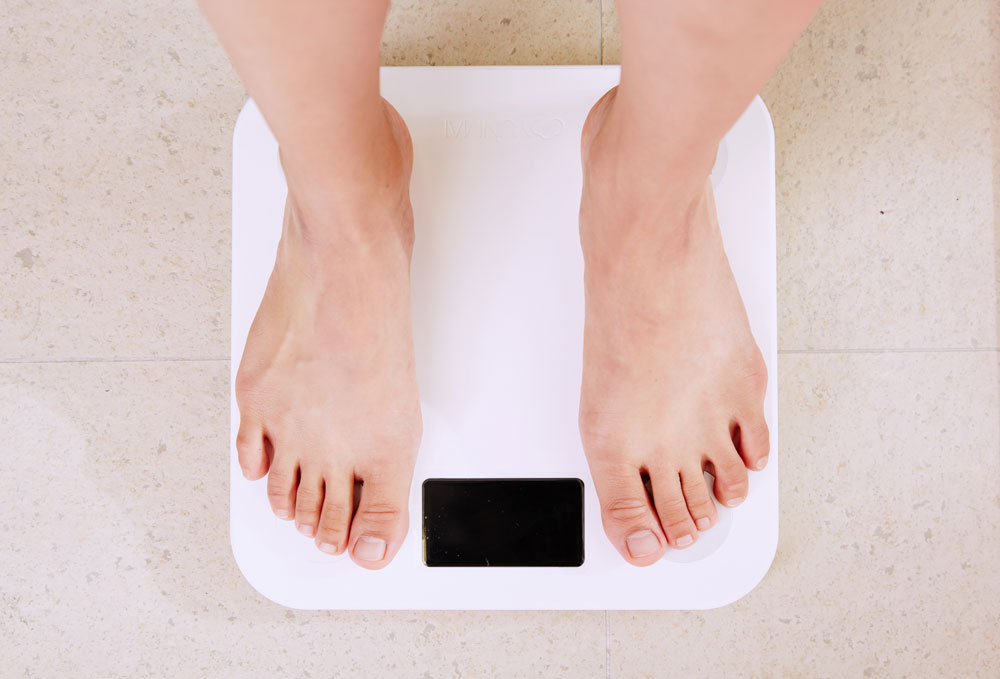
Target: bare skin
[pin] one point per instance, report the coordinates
(673, 382)
(326, 388)
(328, 375)
(671, 371)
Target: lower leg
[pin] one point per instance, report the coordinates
(673, 382)
(326, 386)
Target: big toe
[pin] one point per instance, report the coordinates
(627, 515)
(380, 523)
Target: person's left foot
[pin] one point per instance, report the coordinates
(673, 382)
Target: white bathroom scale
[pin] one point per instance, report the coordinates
(497, 302)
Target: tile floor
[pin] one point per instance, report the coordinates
(116, 121)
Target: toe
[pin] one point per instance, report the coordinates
(282, 482)
(730, 476)
(380, 523)
(753, 442)
(628, 515)
(335, 515)
(250, 447)
(699, 501)
(668, 497)
(308, 502)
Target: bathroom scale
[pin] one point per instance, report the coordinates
(503, 512)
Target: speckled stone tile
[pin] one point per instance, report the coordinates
(882, 115)
(114, 201)
(116, 559)
(116, 187)
(889, 539)
(477, 32)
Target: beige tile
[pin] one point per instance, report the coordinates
(117, 129)
(115, 197)
(453, 32)
(885, 181)
(889, 540)
(611, 39)
(885, 186)
(116, 559)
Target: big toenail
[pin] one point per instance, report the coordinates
(684, 540)
(328, 548)
(281, 513)
(735, 502)
(306, 530)
(369, 549)
(761, 462)
(642, 543)
(703, 523)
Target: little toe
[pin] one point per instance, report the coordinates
(668, 497)
(379, 526)
(250, 448)
(699, 500)
(335, 515)
(627, 514)
(308, 502)
(282, 484)
(753, 442)
(730, 476)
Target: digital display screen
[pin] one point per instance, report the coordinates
(503, 522)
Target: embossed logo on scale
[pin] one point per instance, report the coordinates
(506, 128)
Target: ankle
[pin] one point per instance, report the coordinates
(647, 158)
(354, 191)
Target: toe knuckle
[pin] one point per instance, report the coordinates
(623, 510)
(679, 524)
(245, 443)
(733, 485)
(694, 489)
(277, 495)
(279, 481)
(672, 507)
(381, 514)
(335, 514)
(307, 498)
(699, 504)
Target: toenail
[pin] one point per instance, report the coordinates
(761, 462)
(328, 548)
(306, 530)
(735, 502)
(246, 473)
(642, 543)
(684, 540)
(281, 513)
(369, 549)
(703, 523)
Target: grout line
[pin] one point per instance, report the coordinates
(116, 359)
(600, 28)
(607, 645)
(209, 359)
(889, 350)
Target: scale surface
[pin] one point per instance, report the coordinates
(498, 323)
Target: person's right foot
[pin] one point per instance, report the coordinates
(327, 388)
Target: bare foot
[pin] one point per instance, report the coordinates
(673, 382)
(327, 389)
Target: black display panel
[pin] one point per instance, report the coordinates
(503, 522)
